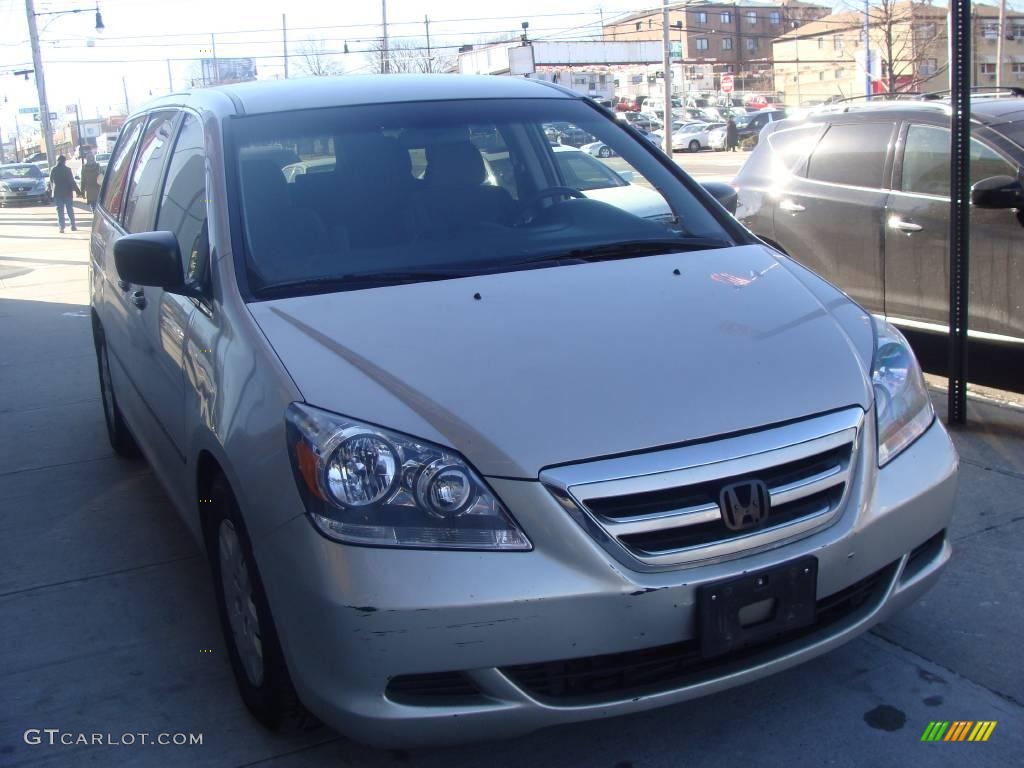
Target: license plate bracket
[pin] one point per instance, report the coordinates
(756, 607)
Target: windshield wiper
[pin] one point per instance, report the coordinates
(630, 249)
(360, 280)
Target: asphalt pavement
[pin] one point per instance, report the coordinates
(107, 620)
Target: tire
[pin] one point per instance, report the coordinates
(604, 152)
(694, 146)
(121, 439)
(248, 626)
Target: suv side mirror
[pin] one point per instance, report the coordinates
(723, 193)
(998, 192)
(151, 258)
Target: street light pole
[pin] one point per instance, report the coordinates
(999, 44)
(666, 64)
(284, 40)
(868, 89)
(385, 59)
(37, 63)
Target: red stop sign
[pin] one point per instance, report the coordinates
(726, 84)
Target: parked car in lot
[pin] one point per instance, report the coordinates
(475, 453)
(694, 137)
(570, 135)
(860, 195)
(749, 126)
(23, 183)
(598, 149)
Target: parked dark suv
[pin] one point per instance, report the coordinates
(860, 194)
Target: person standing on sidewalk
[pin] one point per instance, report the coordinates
(732, 135)
(91, 179)
(64, 187)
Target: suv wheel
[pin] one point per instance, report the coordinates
(120, 436)
(249, 632)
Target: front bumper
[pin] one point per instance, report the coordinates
(18, 198)
(351, 619)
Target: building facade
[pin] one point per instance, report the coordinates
(714, 38)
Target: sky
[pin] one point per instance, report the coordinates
(131, 55)
(151, 46)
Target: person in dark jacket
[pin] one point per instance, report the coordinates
(91, 179)
(732, 135)
(62, 181)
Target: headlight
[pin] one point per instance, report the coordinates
(903, 410)
(366, 485)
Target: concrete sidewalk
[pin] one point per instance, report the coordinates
(107, 621)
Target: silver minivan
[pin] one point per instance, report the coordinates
(472, 453)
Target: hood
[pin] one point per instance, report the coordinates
(632, 198)
(564, 364)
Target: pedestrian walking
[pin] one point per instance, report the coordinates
(91, 180)
(62, 181)
(732, 135)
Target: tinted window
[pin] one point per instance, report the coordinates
(853, 155)
(145, 180)
(183, 207)
(790, 145)
(926, 161)
(117, 169)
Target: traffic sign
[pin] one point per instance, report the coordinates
(28, 110)
(53, 116)
(727, 84)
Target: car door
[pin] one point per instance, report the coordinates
(828, 215)
(917, 239)
(157, 321)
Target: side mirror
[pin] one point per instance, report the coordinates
(723, 193)
(151, 258)
(998, 192)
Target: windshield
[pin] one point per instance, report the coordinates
(20, 172)
(446, 188)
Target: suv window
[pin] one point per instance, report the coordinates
(183, 207)
(140, 205)
(926, 161)
(852, 154)
(117, 168)
(790, 145)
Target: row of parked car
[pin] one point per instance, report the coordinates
(28, 183)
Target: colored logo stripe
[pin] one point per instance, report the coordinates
(958, 730)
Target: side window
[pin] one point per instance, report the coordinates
(117, 168)
(143, 189)
(790, 145)
(852, 155)
(183, 207)
(926, 161)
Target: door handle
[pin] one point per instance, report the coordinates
(895, 222)
(124, 285)
(789, 205)
(139, 298)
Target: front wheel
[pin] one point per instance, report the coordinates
(695, 146)
(248, 627)
(121, 439)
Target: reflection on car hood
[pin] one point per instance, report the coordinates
(632, 198)
(567, 363)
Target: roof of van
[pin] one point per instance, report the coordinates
(263, 96)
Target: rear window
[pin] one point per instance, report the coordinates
(852, 155)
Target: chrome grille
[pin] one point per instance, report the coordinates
(662, 508)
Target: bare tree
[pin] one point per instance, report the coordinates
(910, 33)
(407, 56)
(315, 61)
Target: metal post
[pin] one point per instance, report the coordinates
(216, 67)
(170, 81)
(430, 61)
(868, 89)
(284, 42)
(124, 87)
(385, 59)
(667, 66)
(999, 44)
(37, 63)
(3, 155)
(959, 204)
(78, 123)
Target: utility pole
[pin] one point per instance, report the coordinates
(213, 50)
(124, 86)
(37, 63)
(385, 59)
(284, 40)
(999, 43)
(868, 90)
(170, 81)
(666, 63)
(430, 61)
